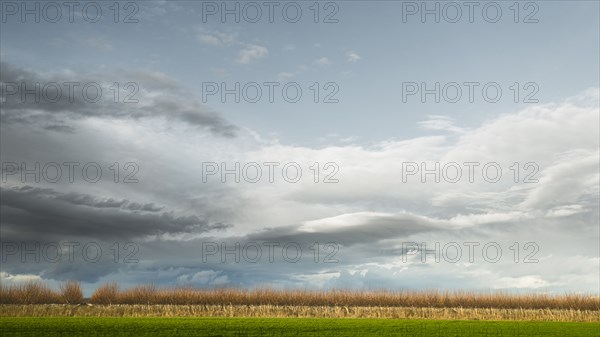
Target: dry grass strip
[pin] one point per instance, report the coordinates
(279, 311)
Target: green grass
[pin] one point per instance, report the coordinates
(88, 327)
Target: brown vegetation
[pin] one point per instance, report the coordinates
(71, 293)
(109, 294)
(284, 311)
(106, 294)
(35, 292)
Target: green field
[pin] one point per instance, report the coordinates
(88, 327)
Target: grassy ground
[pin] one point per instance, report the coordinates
(88, 327)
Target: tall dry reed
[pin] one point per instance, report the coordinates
(107, 294)
(149, 294)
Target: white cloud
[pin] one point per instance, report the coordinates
(216, 38)
(523, 282)
(7, 278)
(441, 123)
(252, 53)
(566, 210)
(479, 219)
(353, 57)
(565, 181)
(284, 76)
(317, 279)
(323, 61)
(249, 53)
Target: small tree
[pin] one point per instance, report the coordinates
(71, 292)
(106, 294)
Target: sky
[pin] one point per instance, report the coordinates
(318, 145)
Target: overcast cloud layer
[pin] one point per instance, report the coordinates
(362, 222)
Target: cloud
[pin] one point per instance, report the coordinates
(368, 214)
(6, 278)
(353, 57)
(153, 95)
(204, 278)
(523, 282)
(565, 183)
(349, 229)
(284, 76)
(60, 128)
(30, 213)
(216, 38)
(566, 210)
(251, 53)
(153, 10)
(441, 123)
(323, 61)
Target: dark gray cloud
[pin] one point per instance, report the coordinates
(350, 245)
(60, 128)
(54, 103)
(30, 213)
(37, 219)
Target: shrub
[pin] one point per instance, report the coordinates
(106, 294)
(32, 292)
(71, 293)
